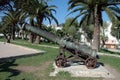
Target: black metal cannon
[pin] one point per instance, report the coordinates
(78, 51)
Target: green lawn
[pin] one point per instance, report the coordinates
(109, 52)
(44, 63)
(112, 61)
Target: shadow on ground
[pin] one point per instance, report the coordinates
(6, 67)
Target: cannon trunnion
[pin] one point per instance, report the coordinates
(78, 52)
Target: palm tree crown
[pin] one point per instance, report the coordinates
(39, 10)
(86, 9)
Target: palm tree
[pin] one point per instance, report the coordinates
(39, 11)
(91, 12)
(25, 6)
(9, 20)
(43, 11)
(12, 18)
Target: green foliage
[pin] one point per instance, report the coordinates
(11, 20)
(89, 31)
(39, 10)
(111, 61)
(108, 51)
(60, 33)
(87, 9)
(71, 28)
(3, 29)
(68, 24)
(63, 73)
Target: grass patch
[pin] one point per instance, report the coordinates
(112, 61)
(108, 51)
(2, 39)
(64, 74)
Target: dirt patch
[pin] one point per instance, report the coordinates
(33, 68)
(42, 69)
(26, 68)
(44, 66)
(114, 72)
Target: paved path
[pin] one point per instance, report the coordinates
(10, 50)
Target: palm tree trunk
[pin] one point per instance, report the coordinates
(39, 22)
(96, 34)
(103, 43)
(31, 38)
(13, 33)
(7, 37)
(96, 37)
(37, 40)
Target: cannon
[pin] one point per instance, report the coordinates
(79, 52)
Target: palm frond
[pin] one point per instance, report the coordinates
(54, 19)
(82, 13)
(78, 4)
(83, 19)
(110, 14)
(116, 10)
(77, 9)
(48, 19)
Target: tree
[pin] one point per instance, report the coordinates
(60, 33)
(72, 29)
(91, 11)
(44, 12)
(6, 31)
(89, 31)
(26, 7)
(12, 18)
(39, 10)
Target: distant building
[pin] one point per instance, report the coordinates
(112, 42)
(1, 35)
(54, 26)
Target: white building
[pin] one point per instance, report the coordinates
(54, 26)
(112, 41)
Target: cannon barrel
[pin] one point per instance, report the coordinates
(62, 42)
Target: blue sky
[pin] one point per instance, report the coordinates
(62, 11)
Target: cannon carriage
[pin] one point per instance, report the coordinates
(80, 52)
